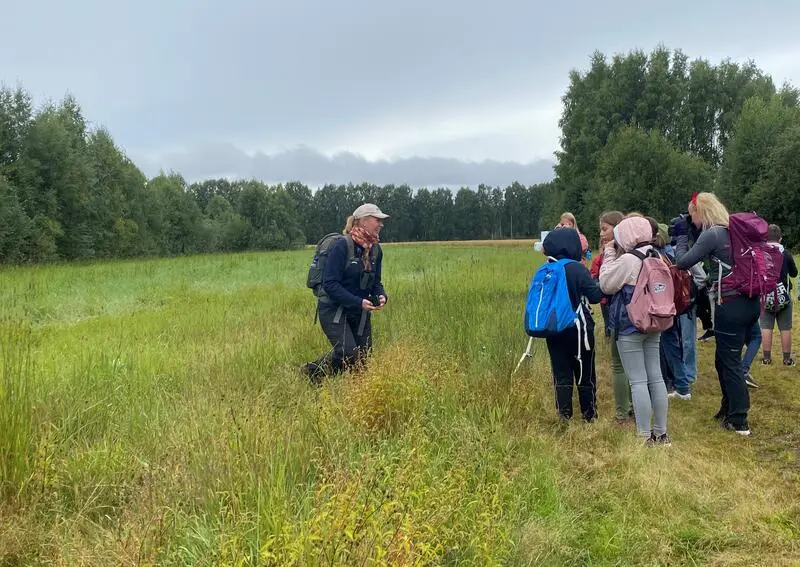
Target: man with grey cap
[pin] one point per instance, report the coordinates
(351, 291)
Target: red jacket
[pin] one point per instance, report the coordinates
(597, 261)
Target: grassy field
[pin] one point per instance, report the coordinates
(151, 412)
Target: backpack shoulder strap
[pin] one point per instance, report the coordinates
(638, 254)
(351, 253)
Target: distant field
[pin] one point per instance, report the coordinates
(151, 412)
(497, 243)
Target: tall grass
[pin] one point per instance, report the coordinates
(153, 413)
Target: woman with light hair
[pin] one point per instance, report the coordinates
(734, 313)
(568, 220)
(349, 292)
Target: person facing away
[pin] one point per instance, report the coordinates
(351, 291)
(620, 385)
(784, 316)
(639, 352)
(569, 361)
(734, 314)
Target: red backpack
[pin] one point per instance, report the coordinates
(756, 265)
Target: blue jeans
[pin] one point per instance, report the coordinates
(688, 324)
(753, 341)
(671, 346)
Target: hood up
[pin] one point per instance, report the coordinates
(563, 243)
(633, 232)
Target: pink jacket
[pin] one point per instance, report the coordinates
(617, 270)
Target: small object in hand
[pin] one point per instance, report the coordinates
(375, 300)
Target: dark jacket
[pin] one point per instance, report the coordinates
(563, 243)
(342, 281)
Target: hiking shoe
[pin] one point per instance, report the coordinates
(706, 336)
(677, 394)
(741, 429)
(313, 372)
(651, 441)
(766, 361)
(789, 362)
(748, 379)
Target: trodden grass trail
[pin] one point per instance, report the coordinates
(152, 412)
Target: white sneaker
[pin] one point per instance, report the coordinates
(676, 394)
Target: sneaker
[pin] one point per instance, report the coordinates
(650, 441)
(741, 430)
(750, 381)
(706, 336)
(663, 440)
(789, 362)
(676, 394)
(766, 361)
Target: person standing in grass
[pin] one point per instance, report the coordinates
(620, 385)
(780, 315)
(351, 291)
(734, 314)
(572, 350)
(639, 352)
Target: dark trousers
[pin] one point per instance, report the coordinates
(732, 321)
(349, 347)
(566, 365)
(704, 309)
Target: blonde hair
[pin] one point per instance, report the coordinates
(570, 217)
(633, 214)
(351, 223)
(709, 210)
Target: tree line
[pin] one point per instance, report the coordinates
(639, 131)
(644, 131)
(69, 193)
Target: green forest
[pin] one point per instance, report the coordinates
(639, 131)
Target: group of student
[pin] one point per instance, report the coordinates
(648, 367)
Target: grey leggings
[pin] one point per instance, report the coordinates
(640, 359)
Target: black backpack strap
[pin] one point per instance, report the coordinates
(640, 255)
(351, 253)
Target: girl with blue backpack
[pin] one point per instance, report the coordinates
(556, 311)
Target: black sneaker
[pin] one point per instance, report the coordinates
(766, 361)
(750, 381)
(789, 362)
(741, 429)
(706, 336)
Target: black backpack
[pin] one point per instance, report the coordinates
(317, 268)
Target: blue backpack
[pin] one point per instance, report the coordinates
(548, 310)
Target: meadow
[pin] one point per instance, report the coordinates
(152, 412)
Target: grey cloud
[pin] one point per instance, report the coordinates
(272, 73)
(316, 169)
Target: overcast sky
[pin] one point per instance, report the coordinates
(421, 92)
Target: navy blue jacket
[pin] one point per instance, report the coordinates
(563, 243)
(342, 281)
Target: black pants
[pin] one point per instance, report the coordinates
(732, 321)
(704, 309)
(564, 353)
(349, 347)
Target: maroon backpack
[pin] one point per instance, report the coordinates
(756, 265)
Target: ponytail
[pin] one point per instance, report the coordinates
(348, 226)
